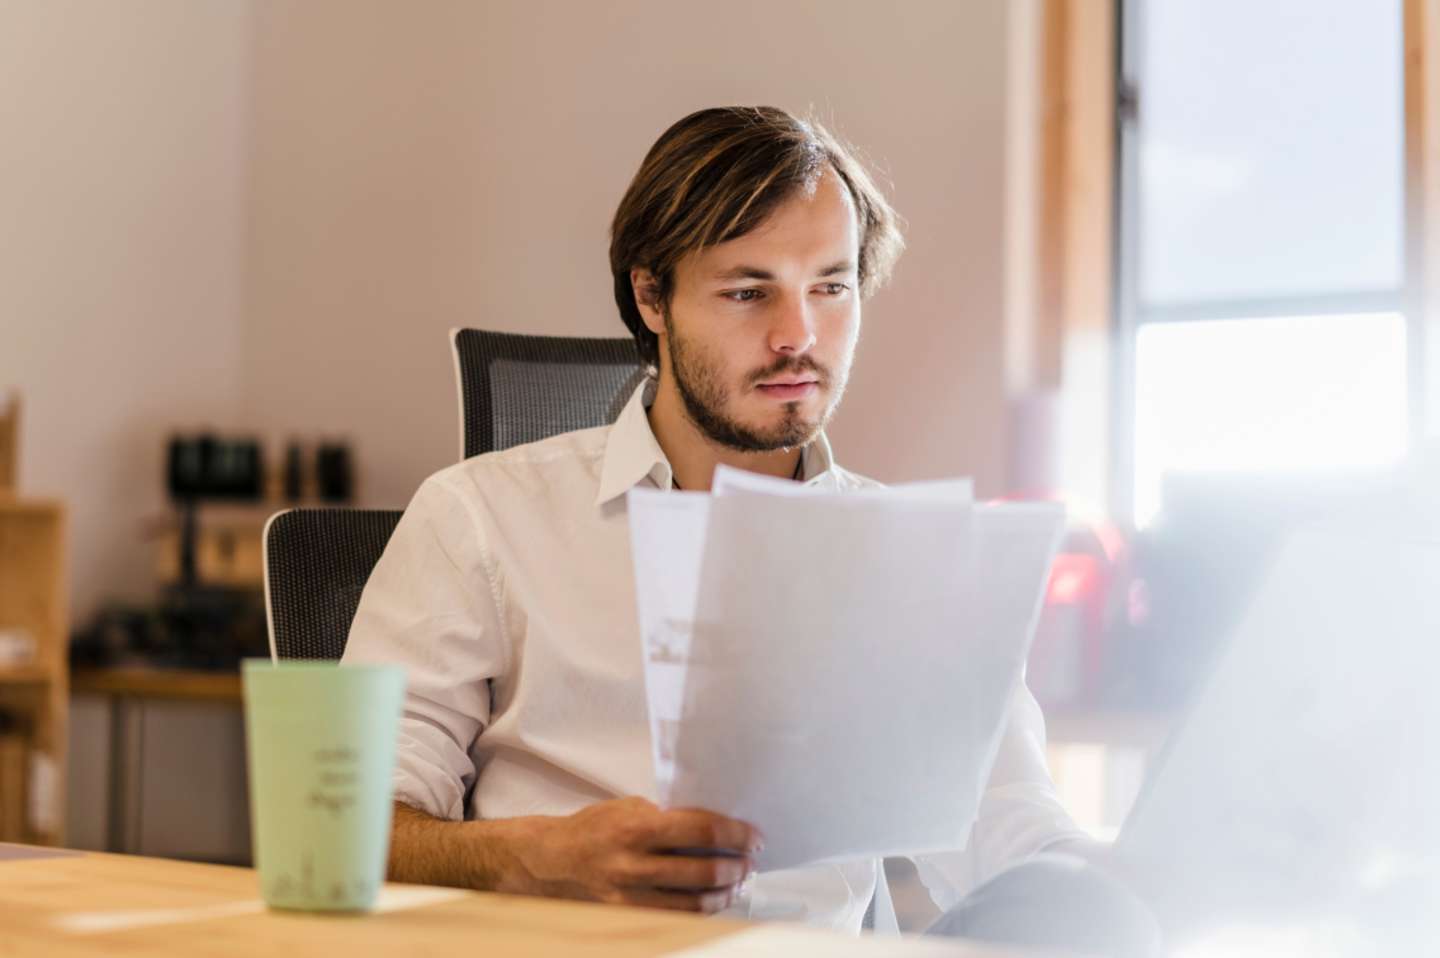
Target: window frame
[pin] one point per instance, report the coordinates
(1419, 18)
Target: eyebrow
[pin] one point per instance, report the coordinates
(755, 272)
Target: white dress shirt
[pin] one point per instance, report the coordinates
(507, 594)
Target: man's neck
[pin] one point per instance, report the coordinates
(693, 456)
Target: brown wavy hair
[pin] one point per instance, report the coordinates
(718, 174)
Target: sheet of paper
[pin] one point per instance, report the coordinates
(13, 853)
(834, 668)
(1015, 544)
(667, 539)
(826, 698)
(729, 481)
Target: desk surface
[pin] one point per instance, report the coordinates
(66, 904)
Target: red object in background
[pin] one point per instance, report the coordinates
(1088, 582)
(1067, 658)
(1073, 579)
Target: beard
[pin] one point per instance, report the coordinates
(702, 390)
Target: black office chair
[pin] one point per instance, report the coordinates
(516, 389)
(513, 389)
(317, 562)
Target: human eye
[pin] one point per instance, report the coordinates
(834, 289)
(747, 295)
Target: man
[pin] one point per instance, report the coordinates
(740, 255)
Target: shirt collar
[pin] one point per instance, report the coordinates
(632, 453)
(816, 460)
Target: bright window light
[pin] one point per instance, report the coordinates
(1264, 171)
(1294, 394)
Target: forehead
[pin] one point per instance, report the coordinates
(812, 227)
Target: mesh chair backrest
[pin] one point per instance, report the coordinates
(316, 564)
(516, 389)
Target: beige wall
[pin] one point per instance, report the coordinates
(419, 166)
(267, 213)
(121, 253)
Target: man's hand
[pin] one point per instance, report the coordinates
(628, 851)
(624, 851)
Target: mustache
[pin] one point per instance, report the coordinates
(790, 364)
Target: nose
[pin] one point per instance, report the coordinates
(792, 327)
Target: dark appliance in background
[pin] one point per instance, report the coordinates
(196, 623)
(206, 468)
(334, 474)
(203, 624)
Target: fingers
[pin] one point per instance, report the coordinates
(696, 828)
(676, 872)
(705, 903)
(629, 851)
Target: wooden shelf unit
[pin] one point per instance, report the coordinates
(34, 598)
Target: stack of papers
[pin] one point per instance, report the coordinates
(834, 668)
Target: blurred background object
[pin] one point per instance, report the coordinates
(14, 759)
(34, 679)
(210, 467)
(9, 440)
(334, 478)
(208, 610)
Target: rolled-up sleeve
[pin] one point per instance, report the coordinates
(432, 606)
(1020, 815)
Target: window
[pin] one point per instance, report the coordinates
(1261, 240)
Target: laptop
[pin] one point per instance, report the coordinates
(1299, 799)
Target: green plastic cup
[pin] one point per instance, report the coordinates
(320, 738)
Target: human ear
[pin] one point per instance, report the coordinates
(647, 299)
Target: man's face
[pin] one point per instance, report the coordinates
(760, 331)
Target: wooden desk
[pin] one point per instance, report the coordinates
(81, 904)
